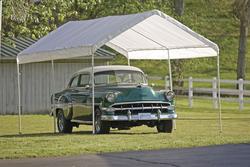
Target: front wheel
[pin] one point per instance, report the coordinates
(101, 127)
(165, 126)
(63, 125)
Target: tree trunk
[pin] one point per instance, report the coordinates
(241, 66)
(179, 7)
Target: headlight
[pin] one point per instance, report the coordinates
(169, 95)
(111, 97)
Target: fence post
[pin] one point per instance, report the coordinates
(190, 92)
(167, 84)
(214, 93)
(241, 89)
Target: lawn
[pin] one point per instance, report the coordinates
(195, 127)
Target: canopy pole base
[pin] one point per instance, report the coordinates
(53, 95)
(219, 98)
(19, 101)
(93, 93)
(170, 72)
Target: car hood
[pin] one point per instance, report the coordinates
(136, 93)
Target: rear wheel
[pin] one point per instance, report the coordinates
(63, 125)
(101, 127)
(165, 126)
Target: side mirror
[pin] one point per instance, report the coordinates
(86, 87)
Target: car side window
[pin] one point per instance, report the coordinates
(84, 80)
(74, 82)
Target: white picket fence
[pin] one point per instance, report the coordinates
(240, 95)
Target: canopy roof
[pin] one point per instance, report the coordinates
(10, 47)
(148, 35)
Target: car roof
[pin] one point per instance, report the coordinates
(108, 68)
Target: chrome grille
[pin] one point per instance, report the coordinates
(140, 107)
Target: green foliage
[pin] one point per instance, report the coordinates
(35, 20)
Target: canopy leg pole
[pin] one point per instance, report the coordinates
(170, 73)
(128, 62)
(53, 94)
(171, 82)
(19, 99)
(93, 93)
(219, 98)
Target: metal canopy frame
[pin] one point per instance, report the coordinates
(90, 49)
(53, 95)
(218, 83)
(93, 92)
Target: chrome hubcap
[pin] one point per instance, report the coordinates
(98, 124)
(60, 123)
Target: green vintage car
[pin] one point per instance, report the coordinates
(123, 100)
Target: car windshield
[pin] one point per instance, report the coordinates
(119, 77)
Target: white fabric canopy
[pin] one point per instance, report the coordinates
(148, 35)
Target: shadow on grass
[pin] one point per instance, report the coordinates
(52, 134)
(47, 134)
(132, 133)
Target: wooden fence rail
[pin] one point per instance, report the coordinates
(228, 94)
(240, 92)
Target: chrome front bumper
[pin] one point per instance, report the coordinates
(139, 117)
(139, 111)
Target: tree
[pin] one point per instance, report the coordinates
(35, 20)
(15, 13)
(179, 7)
(242, 12)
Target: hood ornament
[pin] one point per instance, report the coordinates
(139, 85)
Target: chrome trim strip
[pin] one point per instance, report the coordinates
(58, 100)
(139, 102)
(171, 107)
(141, 108)
(138, 118)
(79, 121)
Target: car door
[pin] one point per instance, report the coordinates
(73, 92)
(82, 110)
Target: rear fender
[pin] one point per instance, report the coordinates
(64, 104)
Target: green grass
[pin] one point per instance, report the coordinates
(38, 139)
